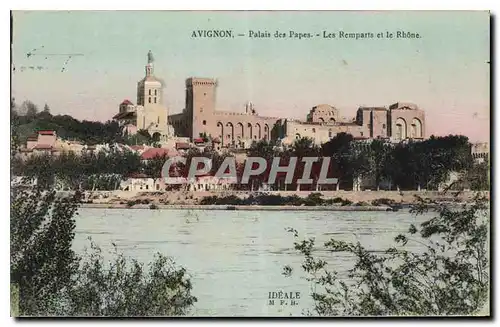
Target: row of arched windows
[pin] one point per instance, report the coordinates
(229, 132)
(404, 131)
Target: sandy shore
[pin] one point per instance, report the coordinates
(361, 201)
(238, 207)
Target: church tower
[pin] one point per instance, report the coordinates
(152, 115)
(150, 88)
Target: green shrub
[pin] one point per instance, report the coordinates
(123, 287)
(346, 202)
(313, 199)
(383, 201)
(449, 276)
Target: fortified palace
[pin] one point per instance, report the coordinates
(200, 124)
(201, 119)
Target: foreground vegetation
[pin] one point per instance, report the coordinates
(449, 276)
(54, 281)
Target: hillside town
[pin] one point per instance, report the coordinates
(202, 129)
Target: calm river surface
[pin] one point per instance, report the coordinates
(235, 258)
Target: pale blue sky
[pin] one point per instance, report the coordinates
(445, 72)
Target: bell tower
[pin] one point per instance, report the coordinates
(150, 88)
(152, 115)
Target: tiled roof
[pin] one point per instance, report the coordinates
(47, 132)
(126, 101)
(154, 152)
(137, 147)
(121, 115)
(182, 145)
(173, 153)
(205, 175)
(199, 140)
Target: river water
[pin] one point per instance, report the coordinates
(236, 258)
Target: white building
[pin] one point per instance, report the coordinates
(210, 183)
(142, 182)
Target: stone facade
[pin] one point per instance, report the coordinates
(398, 122)
(239, 129)
(201, 118)
(149, 114)
(231, 129)
(406, 120)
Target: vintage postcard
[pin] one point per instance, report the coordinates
(250, 163)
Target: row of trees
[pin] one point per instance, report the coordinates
(426, 164)
(101, 170)
(405, 166)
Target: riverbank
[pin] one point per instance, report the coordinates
(236, 207)
(347, 197)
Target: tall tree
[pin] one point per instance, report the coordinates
(153, 167)
(379, 154)
(29, 108)
(42, 261)
(261, 149)
(51, 282)
(358, 165)
(301, 148)
(339, 149)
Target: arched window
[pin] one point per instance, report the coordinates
(416, 128)
(400, 129)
